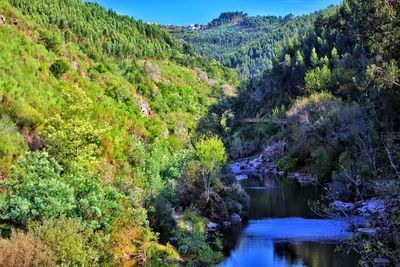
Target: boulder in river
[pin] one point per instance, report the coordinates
(212, 227)
(235, 219)
(226, 225)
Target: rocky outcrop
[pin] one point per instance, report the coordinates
(144, 106)
(266, 163)
(212, 227)
(2, 19)
(153, 71)
(364, 208)
(302, 178)
(203, 77)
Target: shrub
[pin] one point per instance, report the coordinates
(36, 175)
(72, 244)
(160, 216)
(73, 139)
(51, 41)
(322, 163)
(59, 68)
(287, 164)
(191, 234)
(132, 243)
(25, 250)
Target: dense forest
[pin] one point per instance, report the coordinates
(115, 134)
(333, 97)
(248, 44)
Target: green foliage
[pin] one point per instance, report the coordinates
(51, 41)
(72, 194)
(72, 138)
(318, 79)
(287, 164)
(322, 163)
(59, 68)
(211, 154)
(72, 244)
(247, 44)
(191, 236)
(39, 176)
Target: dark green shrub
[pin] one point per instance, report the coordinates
(51, 41)
(322, 163)
(59, 68)
(287, 164)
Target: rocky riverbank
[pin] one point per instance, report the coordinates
(266, 163)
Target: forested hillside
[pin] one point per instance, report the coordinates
(248, 44)
(97, 122)
(333, 97)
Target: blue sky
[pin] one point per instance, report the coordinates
(182, 12)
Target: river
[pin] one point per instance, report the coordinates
(283, 231)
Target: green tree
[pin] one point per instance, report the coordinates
(211, 155)
(314, 57)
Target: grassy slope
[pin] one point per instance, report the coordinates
(30, 94)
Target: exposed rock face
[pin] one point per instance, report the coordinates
(228, 89)
(153, 71)
(266, 162)
(144, 106)
(34, 141)
(301, 178)
(203, 77)
(2, 19)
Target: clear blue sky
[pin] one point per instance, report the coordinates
(182, 12)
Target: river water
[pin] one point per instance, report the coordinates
(283, 231)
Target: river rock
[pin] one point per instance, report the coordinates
(367, 231)
(241, 177)
(226, 225)
(371, 206)
(378, 262)
(302, 179)
(212, 227)
(342, 206)
(235, 219)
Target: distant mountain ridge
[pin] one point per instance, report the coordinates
(246, 43)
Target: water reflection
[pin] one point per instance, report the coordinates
(283, 231)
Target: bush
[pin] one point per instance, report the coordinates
(72, 244)
(25, 250)
(59, 68)
(322, 163)
(160, 216)
(132, 243)
(36, 175)
(51, 41)
(192, 243)
(287, 164)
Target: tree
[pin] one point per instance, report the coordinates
(211, 155)
(318, 79)
(314, 57)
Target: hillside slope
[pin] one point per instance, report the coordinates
(97, 116)
(245, 43)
